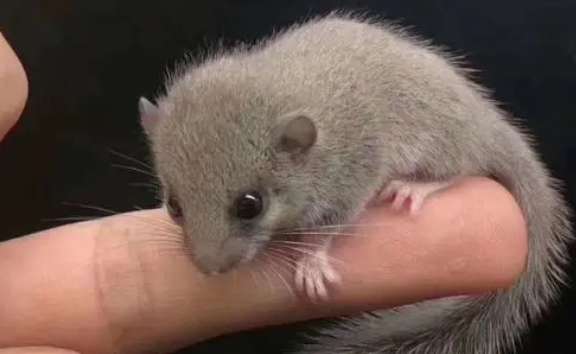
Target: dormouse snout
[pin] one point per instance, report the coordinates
(211, 264)
(218, 257)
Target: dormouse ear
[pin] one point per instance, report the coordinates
(149, 115)
(296, 134)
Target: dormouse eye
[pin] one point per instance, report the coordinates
(174, 209)
(248, 206)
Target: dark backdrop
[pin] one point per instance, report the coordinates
(88, 61)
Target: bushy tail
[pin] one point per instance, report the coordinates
(493, 323)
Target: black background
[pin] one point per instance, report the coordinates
(88, 62)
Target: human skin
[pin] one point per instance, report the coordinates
(13, 87)
(125, 283)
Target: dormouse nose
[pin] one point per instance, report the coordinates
(216, 262)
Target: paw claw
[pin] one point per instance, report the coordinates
(402, 194)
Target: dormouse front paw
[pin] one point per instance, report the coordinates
(314, 274)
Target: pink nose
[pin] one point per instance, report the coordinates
(216, 263)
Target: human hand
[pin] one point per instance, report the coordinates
(118, 284)
(13, 87)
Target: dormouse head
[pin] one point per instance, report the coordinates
(230, 179)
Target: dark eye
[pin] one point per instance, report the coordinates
(174, 209)
(248, 205)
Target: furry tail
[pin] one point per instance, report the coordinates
(494, 323)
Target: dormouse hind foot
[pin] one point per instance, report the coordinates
(401, 193)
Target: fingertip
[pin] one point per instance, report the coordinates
(506, 233)
(469, 239)
(13, 87)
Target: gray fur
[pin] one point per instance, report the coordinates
(386, 106)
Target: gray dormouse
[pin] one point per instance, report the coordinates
(306, 128)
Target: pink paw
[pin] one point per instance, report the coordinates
(313, 274)
(414, 193)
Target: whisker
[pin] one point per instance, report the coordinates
(145, 185)
(281, 278)
(286, 257)
(157, 225)
(253, 277)
(92, 207)
(336, 226)
(165, 233)
(157, 222)
(280, 258)
(259, 276)
(300, 250)
(300, 243)
(71, 219)
(143, 218)
(135, 169)
(162, 247)
(130, 158)
(313, 233)
(160, 231)
(268, 279)
(310, 253)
